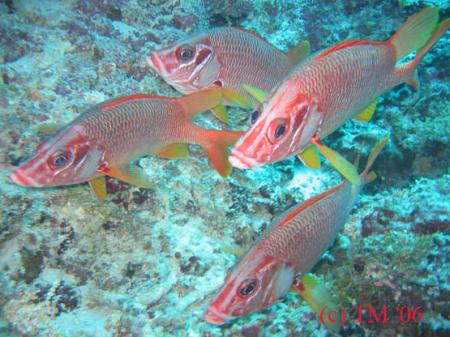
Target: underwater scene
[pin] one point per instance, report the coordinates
(224, 168)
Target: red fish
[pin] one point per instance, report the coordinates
(225, 57)
(290, 247)
(107, 137)
(329, 88)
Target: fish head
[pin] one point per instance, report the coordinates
(283, 127)
(67, 158)
(188, 65)
(252, 285)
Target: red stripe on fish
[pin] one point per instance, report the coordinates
(128, 99)
(310, 202)
(346, 44)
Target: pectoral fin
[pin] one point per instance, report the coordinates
(49, 128)
(232, 250)
(318, 298)
(342, 165)
(367, 114)
(177, 150)
(310, 157)
(130, 174)
(259, 94)
(98, 185)
(220, 111)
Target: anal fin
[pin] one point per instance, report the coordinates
(220, 111)
(176, 150)
(367, 114)
(413, 81)
(310, 157)
(98, 185)
(259, 94)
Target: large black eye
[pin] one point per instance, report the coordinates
(248, 288)
(59, 159)
(185, 53)
(280, 131)
(254, 116)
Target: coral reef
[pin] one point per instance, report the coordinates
(147, 262)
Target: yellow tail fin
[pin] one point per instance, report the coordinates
(415, 32)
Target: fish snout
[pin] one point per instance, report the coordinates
(21, 178)
(241, 161)
(214, 317)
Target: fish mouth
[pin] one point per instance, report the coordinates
(239, 160)
(22, 179)
(214, 317)
(155, 63)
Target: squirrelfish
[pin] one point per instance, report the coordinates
(107, 137)
(225, 57)
(330, 87)
(290, 247)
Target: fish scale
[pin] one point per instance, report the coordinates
(346, 82)
(131, 126)
(289, 248)
(248, 57)
(302, 239)
(234, 57)
(321, 93)
(108, 137)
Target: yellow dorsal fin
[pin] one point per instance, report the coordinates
(98, 185)
(299, 52)
(318, 298)
(236, 98)
(342, 165)
(259, 94)
(367, 114)
(220, 111)
(310, 157)
(177, 150)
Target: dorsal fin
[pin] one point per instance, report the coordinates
(346, 44)
(254, 34)
(293, 212)
(299, 52)
(124, 99)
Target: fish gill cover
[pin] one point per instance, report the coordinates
(147, 262)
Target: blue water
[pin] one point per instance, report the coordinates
(147, 262)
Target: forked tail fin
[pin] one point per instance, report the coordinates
(420, 32)
(367, 175)
(216, 143)
(415, 32)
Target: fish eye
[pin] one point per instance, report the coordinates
(254, 116)
(248, 287)
(185, 53)
(280, 131)
(59, 159)
(276, 130)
